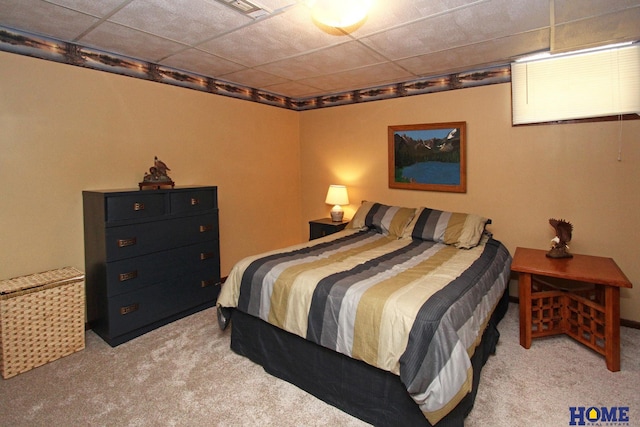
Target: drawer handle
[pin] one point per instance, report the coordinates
(205, 255)
(138, 206)
(205, 228)
(205, 283)
(128, 276)
(194, 201)
(123, 243)
(129, 308)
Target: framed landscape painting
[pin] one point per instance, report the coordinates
(430, 157)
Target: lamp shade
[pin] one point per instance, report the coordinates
(337, 195)
(339, 13)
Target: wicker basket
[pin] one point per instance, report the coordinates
(41, 319)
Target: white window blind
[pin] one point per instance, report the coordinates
(587, 85)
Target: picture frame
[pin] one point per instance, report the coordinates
(428, 157)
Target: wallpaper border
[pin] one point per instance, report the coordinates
(27, 44)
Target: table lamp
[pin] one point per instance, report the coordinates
(337, 196)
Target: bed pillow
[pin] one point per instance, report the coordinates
(387, 220)
(358, 218)
(452, 228)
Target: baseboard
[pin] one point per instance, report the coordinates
(630, 323)
(623, 322)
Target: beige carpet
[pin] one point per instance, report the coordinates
(185, 375)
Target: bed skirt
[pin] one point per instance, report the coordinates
(375, 396)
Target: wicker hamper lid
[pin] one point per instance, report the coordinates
(51, 277)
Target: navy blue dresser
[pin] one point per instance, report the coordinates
(151, 257)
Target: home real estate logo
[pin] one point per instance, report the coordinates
(599, 416)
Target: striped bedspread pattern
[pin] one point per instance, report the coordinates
(412, 307)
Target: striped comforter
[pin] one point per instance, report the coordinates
(412, 307)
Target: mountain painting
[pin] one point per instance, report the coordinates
(428, 157)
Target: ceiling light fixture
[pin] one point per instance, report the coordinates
(339, 13)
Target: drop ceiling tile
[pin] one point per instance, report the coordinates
(481, 54)
(571, 10)
(495, 19)
(294, 90)
(273, 5)
(254, 78)
(326, 61)
(126, 41)
(43, 18)
(201, 63)
(186, 21)
(419, 38)
(280, 36)
(354, 79)
(477, 22)
(611, 28)
(97, 8)
(385, 15)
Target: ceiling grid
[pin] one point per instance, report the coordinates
(274, 47)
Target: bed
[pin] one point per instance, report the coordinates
(390, 320)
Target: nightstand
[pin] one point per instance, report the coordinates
(325, 226)
(578, 296)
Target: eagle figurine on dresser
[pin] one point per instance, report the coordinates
(161, 167)
(559, 248)
(157, 176)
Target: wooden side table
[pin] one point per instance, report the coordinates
(325, 226)
(578, 296)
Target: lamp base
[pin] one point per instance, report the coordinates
(336, 216)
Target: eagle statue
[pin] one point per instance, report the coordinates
(559, 248)
(157, 175)
(161, 166)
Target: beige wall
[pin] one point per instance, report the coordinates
(518, 176)
(64, 129)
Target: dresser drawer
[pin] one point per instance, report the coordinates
(141, 239)
(133, 310)
(193, 201)
(135, 206)
(134, 273)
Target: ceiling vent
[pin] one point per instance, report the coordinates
(248, 8)
(594, 84)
